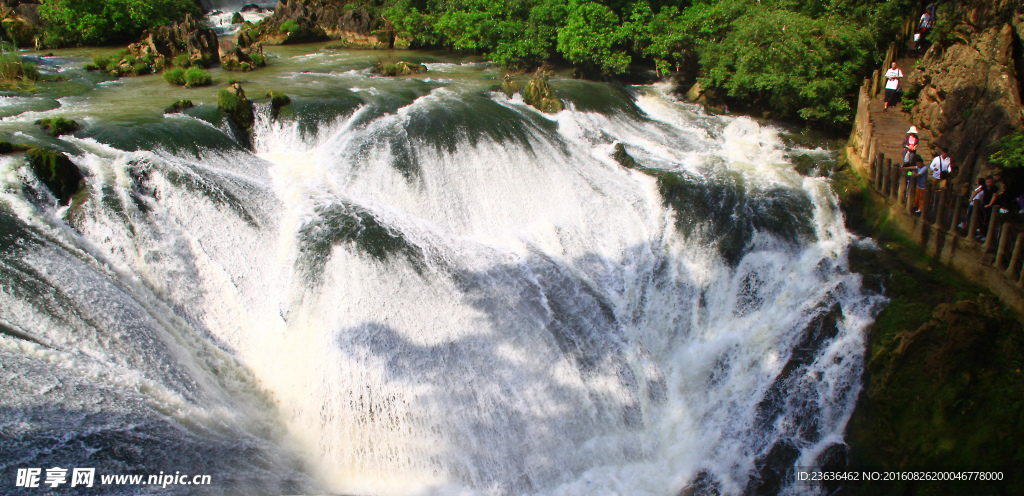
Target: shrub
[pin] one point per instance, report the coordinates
(101, 62)
(1009, 152)
(289, 26)
(258, 60)
(140, 69)
(195, 76)
(175, 76)
(227, 101)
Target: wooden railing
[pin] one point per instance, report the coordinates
(986, 247)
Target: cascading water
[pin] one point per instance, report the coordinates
(425, 287)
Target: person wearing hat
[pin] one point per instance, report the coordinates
(910, 146)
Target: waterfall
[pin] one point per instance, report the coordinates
(429, 288)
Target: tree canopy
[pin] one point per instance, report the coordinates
(802, 59)
(103, 22)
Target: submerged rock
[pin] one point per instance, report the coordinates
(539, 94)
(58, 126)
(6, 148)
(57, 172)
(178, 106)
(400, 68)
(623, 157)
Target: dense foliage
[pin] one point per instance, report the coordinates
(1009, 151)
(797, 58)
(102, 22)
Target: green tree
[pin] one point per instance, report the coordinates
(98, 22)
(594, 34)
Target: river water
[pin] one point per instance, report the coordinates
(421, 286)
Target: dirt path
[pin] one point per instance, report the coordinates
(891, 127)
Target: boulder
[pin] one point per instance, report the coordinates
(58, 126)
(238, 58)
(190, 37)
(236, 106)
(179, 106)
(539, 94)
(304, 21)
(400, 68)
(277, 100)
(57, 172)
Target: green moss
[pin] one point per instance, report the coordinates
(182, 60)
(278, 100)
(399, 68)
(289, 26)
(237, 18)
(539, 94)
(58, 126)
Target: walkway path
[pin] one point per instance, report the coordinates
(891, 127)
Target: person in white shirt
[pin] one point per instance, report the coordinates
(892, 84)
(941, 168)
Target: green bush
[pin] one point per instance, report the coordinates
(227, 101)
(102, 62)
(258, 60)
(1009, 151)
(289, 26)
(195, 76)
(175, 76)
(140, 69)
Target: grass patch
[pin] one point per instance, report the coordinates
(195, 76)
(175, 76)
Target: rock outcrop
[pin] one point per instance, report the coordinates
(539, 94)
(306, 21)
(20, 22)
(969, 92)
(57, 172)
(236, 106)
(190, 37)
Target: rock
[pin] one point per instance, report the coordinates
(20, 23)
(237, 18)
(236, 106)
(57, 172)
(303, 21)
(58, 126)
(400, 68)
(623, 157)
(539, 94)
(253, 9)
(190, 37)
(510, 86)
(694, 92)
(6, 148)
(277, 100)
(178, 106)
(968, 93)
(234, 57)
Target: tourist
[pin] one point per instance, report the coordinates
(892, 85)
(922, 182)
(941, 168)
(927, 21)
(910, 146)
(989, 195)
(976, 196)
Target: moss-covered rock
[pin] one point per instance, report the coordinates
(540, 95)
(236, 106)
(510, 86)
(400, 68)
(237, 18)
(58, 126)
(178, 106)
(6, 148)
(277, 100)
(56, 171)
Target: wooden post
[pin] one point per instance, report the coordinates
(927, 202)
(957, 208)
(872, 145)
(874, 82)
(901, 187)
(940, 209)
(886, 177)
(972, 225)
(991, 234)
(879, 167)
(912, 193)
(894, 189)
(1004, 241)
(1018, 247)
